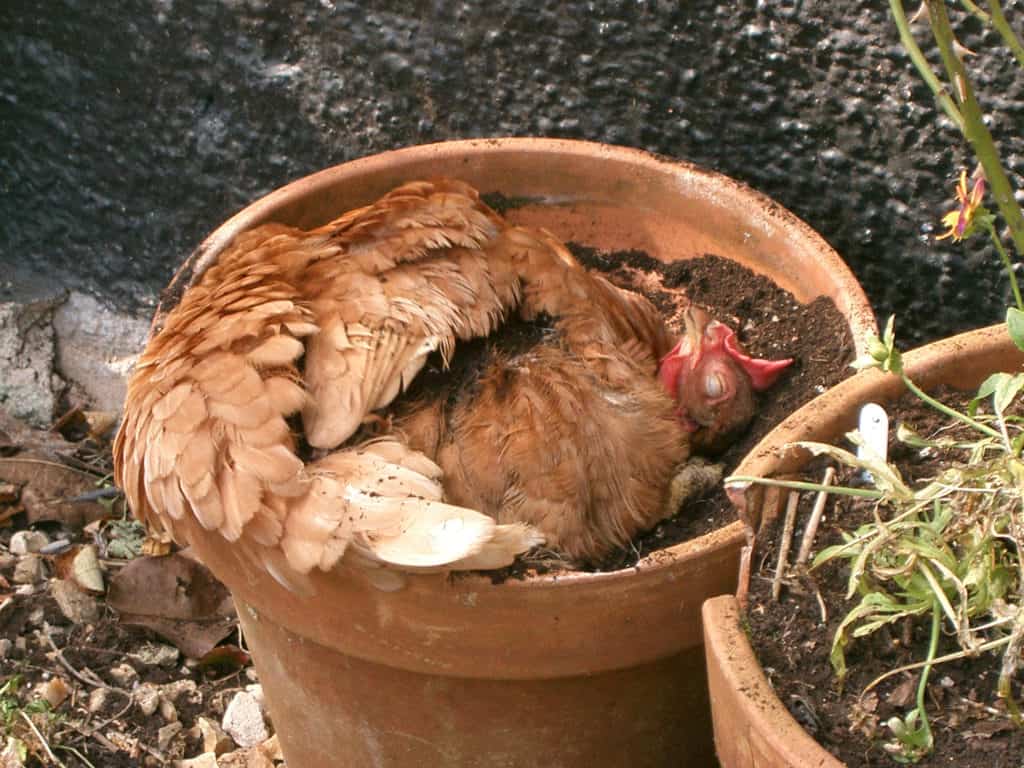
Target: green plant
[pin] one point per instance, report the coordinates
(24, 723)
(945, 552)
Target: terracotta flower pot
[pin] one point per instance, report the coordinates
(752, 726)
(581, 669)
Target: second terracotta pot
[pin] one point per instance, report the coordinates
(571, 670)
(753, 728)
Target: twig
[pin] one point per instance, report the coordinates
(42, 741)
(787, 535)
(90, 679)
(76, 753)
(812, 524)
(821, 606)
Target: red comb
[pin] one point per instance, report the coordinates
(762, 373)
(670, 365)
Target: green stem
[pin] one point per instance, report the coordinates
(941, 407)
(1006, 262)
(921, 63)
(796, 485)
(975, 10)
(973, 127)
(1008, 670)
(1004, 29)
(922, 685)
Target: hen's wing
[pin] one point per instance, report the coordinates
(205, 444)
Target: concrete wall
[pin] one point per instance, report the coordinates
(130, 128)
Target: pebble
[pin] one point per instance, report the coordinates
(165, 734)
(77, 606)
(26, 542)
(147, 699)
(257, 693)
(123, 675)
(186, 689)
(5, 649)
(29, 570)
(98, 700)
(168, 711)
(7, 562)
(156, 655)
(243, 720)
(213, 736)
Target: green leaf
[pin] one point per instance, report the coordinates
(1015, 326)
(1008, 388)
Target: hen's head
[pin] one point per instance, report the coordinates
(713, 381)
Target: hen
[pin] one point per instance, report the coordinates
(574, 442)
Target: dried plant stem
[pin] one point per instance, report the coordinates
(787, 536)
(812, 524)
(42, 741)
(797, 485)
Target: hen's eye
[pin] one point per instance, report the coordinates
(714, 386)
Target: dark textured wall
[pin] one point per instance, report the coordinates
(130, 128)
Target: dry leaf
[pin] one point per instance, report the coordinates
(16, 437)
(55, 691)
(47, 487)
(80, 565)
(903, 694)
(176, 597)
(223, 660)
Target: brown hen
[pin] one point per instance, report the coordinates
(575, 442)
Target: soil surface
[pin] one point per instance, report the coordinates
(793, 640)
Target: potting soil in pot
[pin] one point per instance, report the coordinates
(793, 641)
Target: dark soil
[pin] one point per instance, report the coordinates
(793, 642)
(117, 734)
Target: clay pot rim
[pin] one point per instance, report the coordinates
(750, 694)
(859, 313)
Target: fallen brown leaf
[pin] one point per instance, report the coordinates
(47, 488)
(176, 597)
(903, 693)
(16, 436)
(224, 659)
(80, 565)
